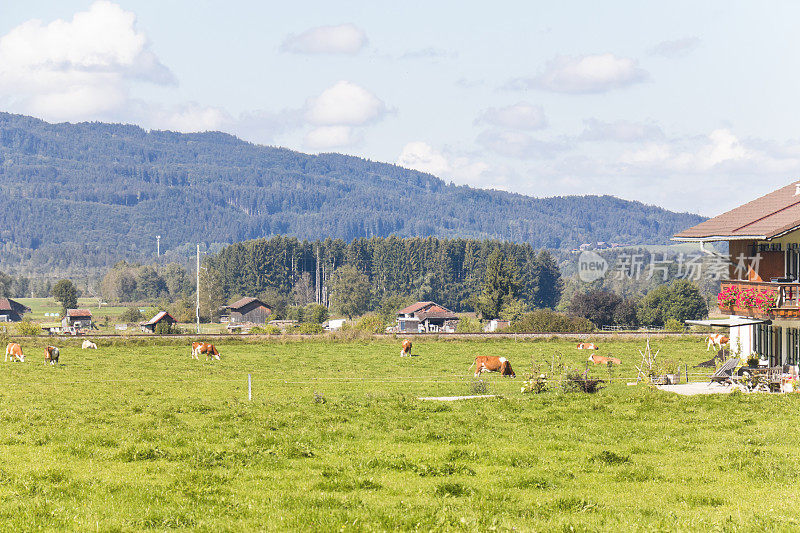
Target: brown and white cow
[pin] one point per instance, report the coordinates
(493, 363)
(406, 351)
(51, 354)
(716, 340)
(14, 351)
(600, 360)
(587, 346)
(204, 347)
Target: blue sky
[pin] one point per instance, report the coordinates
(688, 105)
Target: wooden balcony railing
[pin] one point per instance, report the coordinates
(786, 299)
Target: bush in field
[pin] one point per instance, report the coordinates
(28, 328)
(680, 300)
(131, 315)
(165, 328)
(308, 328)
(371, 324)
(574, 381)
(536, 382)
(469, 325)
(546, 321)
(673, 325)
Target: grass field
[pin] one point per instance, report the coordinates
(138, 436)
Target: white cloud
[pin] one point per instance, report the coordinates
(584, 74)
(341, 39)
(188, 118)
(78, 68)
(521, 116)
(421, 156)
(327, 137)
(429, 53)
(676, 48)
(620, 131)
(344, 103)
(518, 145)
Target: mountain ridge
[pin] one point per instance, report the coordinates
(106, 190)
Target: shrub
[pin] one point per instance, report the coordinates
(165, 328)
(371, 324)
(469, 325)
(574, 381)
(28, 328)
(479, 386)
(536, 382)
(131, 315)
(308, 328)
(673, 325)
(546, 321)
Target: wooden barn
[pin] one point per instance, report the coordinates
(12, 311)
(77, 318)
(151, 324)
(250, 310)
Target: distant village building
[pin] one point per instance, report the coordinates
(151, 324)
(426, 317)
(334, 324)
(496, 325)
(77, 318)
(246, 310)
(12, 311)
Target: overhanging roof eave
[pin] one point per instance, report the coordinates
(715, 238)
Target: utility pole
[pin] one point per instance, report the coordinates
(197, 310)
(158, 245)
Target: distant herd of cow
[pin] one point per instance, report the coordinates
(51, 353)
(483, 363)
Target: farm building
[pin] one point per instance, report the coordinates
(246, 310)
(151, 324)
(496, 325)
(12, 311)
(762, 294)
(77, 318)
(334, 324)
(426, 317)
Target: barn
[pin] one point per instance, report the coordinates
(12, 311)
(426, 317)
(151, 324)
(246, 310)
(77, 318)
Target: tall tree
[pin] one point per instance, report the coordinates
(350, 291)
(66, 294)
(500, 285)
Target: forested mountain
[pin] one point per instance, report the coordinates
(76, 196)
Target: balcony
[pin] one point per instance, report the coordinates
(760, 299)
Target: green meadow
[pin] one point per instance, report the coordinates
(138, 436)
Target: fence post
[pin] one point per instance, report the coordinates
(249, 388)
(686, 368)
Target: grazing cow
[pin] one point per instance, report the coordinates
(586, 346)
(406, 351)
(600, 360)
(51, 354)
(204, 347)
(492, 363)
(88, 345)
(14, 351)
(716, 340)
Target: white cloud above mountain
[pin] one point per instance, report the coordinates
(584, 75)
(347, 39)
(522, 116)
(78, 68)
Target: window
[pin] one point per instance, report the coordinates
(793, 354)
(767, 343)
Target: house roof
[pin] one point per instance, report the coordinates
(245, 301)
(7, 304)
(156, 319)
(765, 218)
(436, 311)
(413, 308)
(79, 313)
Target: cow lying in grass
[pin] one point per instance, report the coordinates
(587, 346)
(88, 345)
(492, 363)
(14, 351)
(51, 354)
(204, 347)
